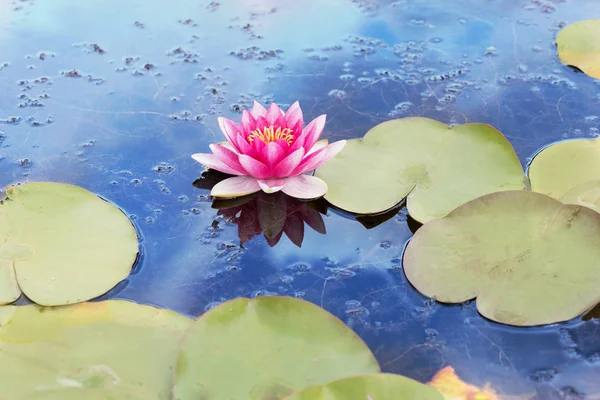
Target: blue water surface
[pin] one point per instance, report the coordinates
(115, 96)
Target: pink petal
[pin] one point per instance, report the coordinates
(283, 144)
(319, 157)
(258, 110)
(254, 167)
(274, 115)
(318, 146)
(235, 187)
(248, 121)
(228, 157)
(231, 131)
(258, 146)
(293, 115)
(271, 185)
(288, 164)
(212, 161)
(246, 148)
(312, 131)
(305, 187)
(272, 154)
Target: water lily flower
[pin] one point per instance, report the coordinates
(270, 150)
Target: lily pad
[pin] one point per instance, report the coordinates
(76, 393)
(266, 348)
(436, 166)
(66, 244)
(587, 194)
(526, 257)
(113, 346)
(369, 387)
(578, 46)
(563, 166)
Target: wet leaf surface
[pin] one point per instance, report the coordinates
(424, 161)
(578, 46)
(114, 348)
(66, 244)
(369, 387)
(536, 245)
(272, 345)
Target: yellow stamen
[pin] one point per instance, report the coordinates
(269, 134)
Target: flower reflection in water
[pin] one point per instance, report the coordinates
(269, 214)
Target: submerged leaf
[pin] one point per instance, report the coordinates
(436, 166)
(564, 166)
(117, 346)
(369, 387)
(527, 258)
(67, 245)
(578, 46)
(453, 388)
(266, 348)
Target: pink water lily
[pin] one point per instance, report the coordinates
(270, 150)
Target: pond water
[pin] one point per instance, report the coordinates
(115, 96)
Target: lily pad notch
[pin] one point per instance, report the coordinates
(62, 244)
(434, 166)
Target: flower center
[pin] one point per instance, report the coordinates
(269, 134)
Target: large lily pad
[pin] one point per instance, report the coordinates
(563, 166)
(436, 166)
(66, 244)
(369, 387)
(529, 259)
(77, 393)
(121, 348)
(587, 194)
(266, 348)
(578, 46)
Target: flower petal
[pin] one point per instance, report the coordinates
(274, 114)
(271, 185)
(319, 157)
(248, 121)
(254, 167)
(312, 131)
(272, 154)
(235, 187)
(258, 110)
(293, 115)
(288, 164)
(212, 161)
(305, 187)
(228, 157)
(318, 146)
(231, 131)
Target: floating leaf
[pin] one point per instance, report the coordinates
(528, 258)
(369, 387)
(436, 166)
(563, 166)
(75, 393)
(117, 346)
(266, 348)
(67, 245)
(453, 388)
(587, 194)
(578, 46)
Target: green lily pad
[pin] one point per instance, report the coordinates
(266, 348)
(437, 167)
(76, 393)
(578, 46)
(115, 346)
(66, 244)
(561, 167)
(526, 257)
(369, 387)
(587, 195)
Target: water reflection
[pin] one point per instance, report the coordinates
(269, 214)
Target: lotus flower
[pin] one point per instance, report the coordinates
(270, 150)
